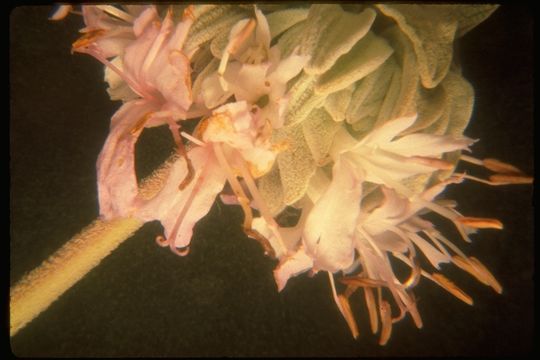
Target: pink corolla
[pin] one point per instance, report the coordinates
(234, 139)
(156, 69)
(256, 74)
(177, 209)
(359, 212)
(380, 158)
(229, 146)
(388, 158)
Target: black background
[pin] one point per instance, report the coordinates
(221, 299)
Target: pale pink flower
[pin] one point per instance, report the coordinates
(178, 210)
(387, 158)
(257, 73)
(331, 229)
(230, 143)
(156, 69)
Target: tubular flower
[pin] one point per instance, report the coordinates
(155, 68)
(352, 115)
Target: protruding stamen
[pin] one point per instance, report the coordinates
(265, 212)
(414, 278)
(349, 317)
(471, 160)
(190, 174)
(349, 291)
(506, 174)
(174, 127)
(452, 288)
(486, 274)
(386, 320)
(507, 179)
(480, 223)
(190, 170)
(372, 309)
(500, 167)
(362, 281)
(478, 270)
(339, 304)
(243, 200)
(183, 212)
(437, 235)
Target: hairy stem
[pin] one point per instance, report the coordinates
(45, 284)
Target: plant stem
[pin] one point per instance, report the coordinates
(45, 284)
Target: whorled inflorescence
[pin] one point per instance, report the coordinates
(352, 114)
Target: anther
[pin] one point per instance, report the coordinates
(449, 286)
(87, 39)
(500, 167)
(480, 223)
(507, 179)
(348, 315)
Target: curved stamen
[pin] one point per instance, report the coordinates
(386, 320)
(185, 208)
(265, 212)
(254, 234)
(414, 277)
(162, 241)
(174, 127)
(372, 309)
(243, 200)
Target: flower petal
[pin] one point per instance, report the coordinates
(389, 130)
(426, 145)
(285, 70)
(247, 81)
(292, 266)
(330, 227)
(179, 210)
(117, 181)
